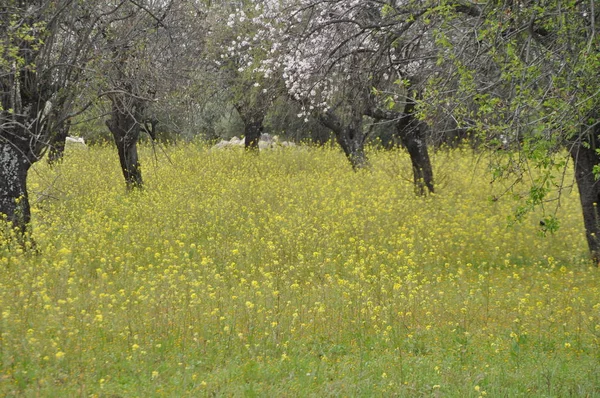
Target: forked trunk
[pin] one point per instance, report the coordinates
(585, 158)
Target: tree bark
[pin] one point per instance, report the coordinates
(125, 129)
(350, 136)
(253, 125)
(412, 135)
(352, 141)
(252, 132)
(23, 138)
(14, 202)
(57, 143)
(585, 158)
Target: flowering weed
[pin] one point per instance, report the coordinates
(288, 274)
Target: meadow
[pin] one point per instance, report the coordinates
(288, 274)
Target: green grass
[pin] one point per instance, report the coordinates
(287, 274)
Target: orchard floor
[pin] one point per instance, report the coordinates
(288, 274)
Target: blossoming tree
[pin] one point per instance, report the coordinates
(349, 63)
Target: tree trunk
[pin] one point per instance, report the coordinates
(14, 202)
(252, 131)
(585, 158)
(253, 125)
(350, 136)
(23, 138)
(57, 143)
(126, 131)
(412, 135)
(352, 142)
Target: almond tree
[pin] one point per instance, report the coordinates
(149, 50)
(44, 46)
(233, 52)
(526, 73)
(346, 60)
(58, 57)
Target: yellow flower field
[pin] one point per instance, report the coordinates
(288, 274)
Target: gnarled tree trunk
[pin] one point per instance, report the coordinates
(350, 136)
(14, 203)
(125, 128)
(23, 138)
(253, 128)
(585, 158)
(352, 141)
(412, 135)
(253, 124)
